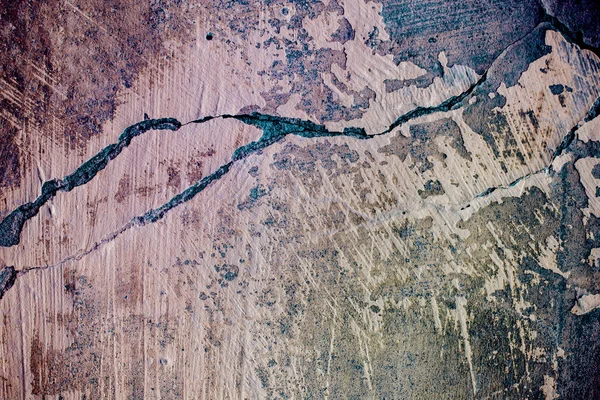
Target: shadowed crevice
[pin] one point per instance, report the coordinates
(8, 275)
(572, 35)
(274, 129)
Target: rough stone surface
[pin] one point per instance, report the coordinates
(299, 199)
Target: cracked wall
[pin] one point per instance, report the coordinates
(329, 199)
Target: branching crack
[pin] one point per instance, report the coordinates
(274, 129)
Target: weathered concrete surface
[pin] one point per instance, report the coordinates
(348, 199)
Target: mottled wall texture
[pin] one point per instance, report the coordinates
(301, 199)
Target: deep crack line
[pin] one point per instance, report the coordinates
(274, 129)
(150, 216)
(12, 225)
(156, 214)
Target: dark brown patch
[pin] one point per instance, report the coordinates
(195, 165)
(194, 172)
(64, 63)
(145, 191)
(174, 180)
(124, 188)
(78, 366)
(129, 288)
(10, 173)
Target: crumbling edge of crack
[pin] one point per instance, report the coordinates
(274, 129)
(8, 276)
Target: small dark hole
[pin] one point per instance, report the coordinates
(209, 36)
(285, 11)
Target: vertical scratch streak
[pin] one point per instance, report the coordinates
(461, 302)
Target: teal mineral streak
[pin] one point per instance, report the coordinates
(274, 129)
(157, 213)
